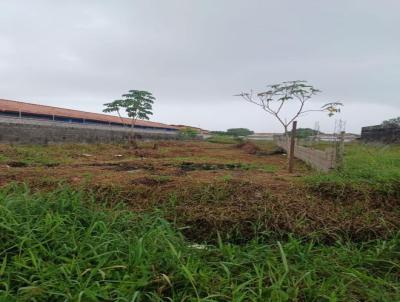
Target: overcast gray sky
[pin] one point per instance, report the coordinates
(194, 55)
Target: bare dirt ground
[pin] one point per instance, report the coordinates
(205, 188)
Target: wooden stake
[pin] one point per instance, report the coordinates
(292, 143)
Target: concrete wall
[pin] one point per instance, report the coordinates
(386, 135)
(30, 131)
(260, 138)
(317, 159)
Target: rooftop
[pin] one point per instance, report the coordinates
(35, 109)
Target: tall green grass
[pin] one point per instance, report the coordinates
(67, 246)
(376, 167)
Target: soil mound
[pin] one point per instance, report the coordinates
(248, 147)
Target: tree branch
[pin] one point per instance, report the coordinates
(284, 93)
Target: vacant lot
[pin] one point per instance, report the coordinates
(197, 221)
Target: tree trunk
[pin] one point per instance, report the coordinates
(132, 139)
(120, 117)
(287, 138)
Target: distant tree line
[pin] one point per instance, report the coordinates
(234, 132)
(394, 122)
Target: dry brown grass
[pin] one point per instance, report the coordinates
(227, 190)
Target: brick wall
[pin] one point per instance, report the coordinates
(386, 135)
(29, 131)
(317, 159)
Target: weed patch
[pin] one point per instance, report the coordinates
(191, 166)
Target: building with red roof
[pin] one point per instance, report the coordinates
(25, 110)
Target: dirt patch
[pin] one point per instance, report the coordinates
(17, 164)
(190, 166)
(248, 147)
(252, 148)
(52, 165)
(125, 166)
(146, 153)
(151, 181)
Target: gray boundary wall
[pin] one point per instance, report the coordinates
(386, 135)
(34, 131)
(317, 159)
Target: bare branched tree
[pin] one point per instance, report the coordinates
(278, 96)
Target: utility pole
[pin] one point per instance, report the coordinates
(292, 145)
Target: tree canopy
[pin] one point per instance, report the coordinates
(278, 96)
(138, 104)
(239, 132)
(394, 122)
(305, 132)
(234, 132)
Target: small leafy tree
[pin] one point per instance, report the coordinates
(394, 122)
(137, 104)
(280, 95)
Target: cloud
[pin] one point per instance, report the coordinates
(197, 54)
